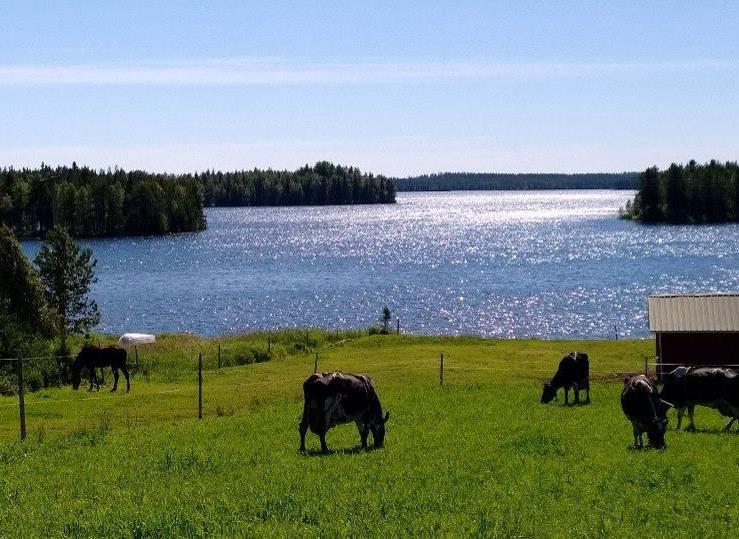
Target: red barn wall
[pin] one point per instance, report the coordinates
(698, 348)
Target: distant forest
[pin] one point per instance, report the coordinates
(90, 203)
(98, 203)
(692, 193)
(322, 184)
(461, 181)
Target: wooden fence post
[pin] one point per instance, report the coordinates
(219, 355)
(398, 328)
(615, 331)
(21, 398)
(315, 364)
(441, 370)
(200, 386)
(646, 365)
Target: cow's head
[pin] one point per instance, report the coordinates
(549, 393)
(378, 430)
(656, 433)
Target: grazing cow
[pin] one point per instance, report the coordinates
(642, 406)
(686, 387)
(335, 398)
(573, 372)
(93, 357)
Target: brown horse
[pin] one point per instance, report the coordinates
(91, 357)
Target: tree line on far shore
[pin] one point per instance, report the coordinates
(93, 203)
(115, 202)
(463, 181)
(322, 184)
(692, 193)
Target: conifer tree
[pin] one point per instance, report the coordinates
(67, 273)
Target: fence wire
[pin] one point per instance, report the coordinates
(444, 372)
(83, 399)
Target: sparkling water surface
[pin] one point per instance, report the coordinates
(498, 263)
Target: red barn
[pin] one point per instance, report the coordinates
(695, 329)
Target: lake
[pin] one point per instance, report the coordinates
(497, 263)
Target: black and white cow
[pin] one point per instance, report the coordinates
(642, 405)
(686, 387)
(573, 372)
(334, 398)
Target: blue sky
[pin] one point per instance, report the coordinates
(392, 87)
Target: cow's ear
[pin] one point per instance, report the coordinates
(387, 416)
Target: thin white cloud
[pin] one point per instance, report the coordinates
(268, 71)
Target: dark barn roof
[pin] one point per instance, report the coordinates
(691, 313)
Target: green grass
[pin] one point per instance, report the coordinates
(477, 457)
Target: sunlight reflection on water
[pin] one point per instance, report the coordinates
(542, 263)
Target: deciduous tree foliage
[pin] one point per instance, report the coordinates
(23, 312)
(691, 193)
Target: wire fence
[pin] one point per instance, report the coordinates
(27, 359)
(710, 365)
(188, 400)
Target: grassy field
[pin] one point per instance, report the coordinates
(477, 457)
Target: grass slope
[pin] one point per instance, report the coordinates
(479, 456)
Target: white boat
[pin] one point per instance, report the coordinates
(135, 339)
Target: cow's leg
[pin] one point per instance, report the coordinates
(127, 377)
(363, 433)
(302, 431)
(303, 426)
(691, 421)
(91, 374)
(587, 392)
(576, 389)
(567, 395)
(115, 380)
(680, 413)
(324, 447)
(637, 437)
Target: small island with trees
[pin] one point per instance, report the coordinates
(692, 193)
(90, 203)
(320, 185)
